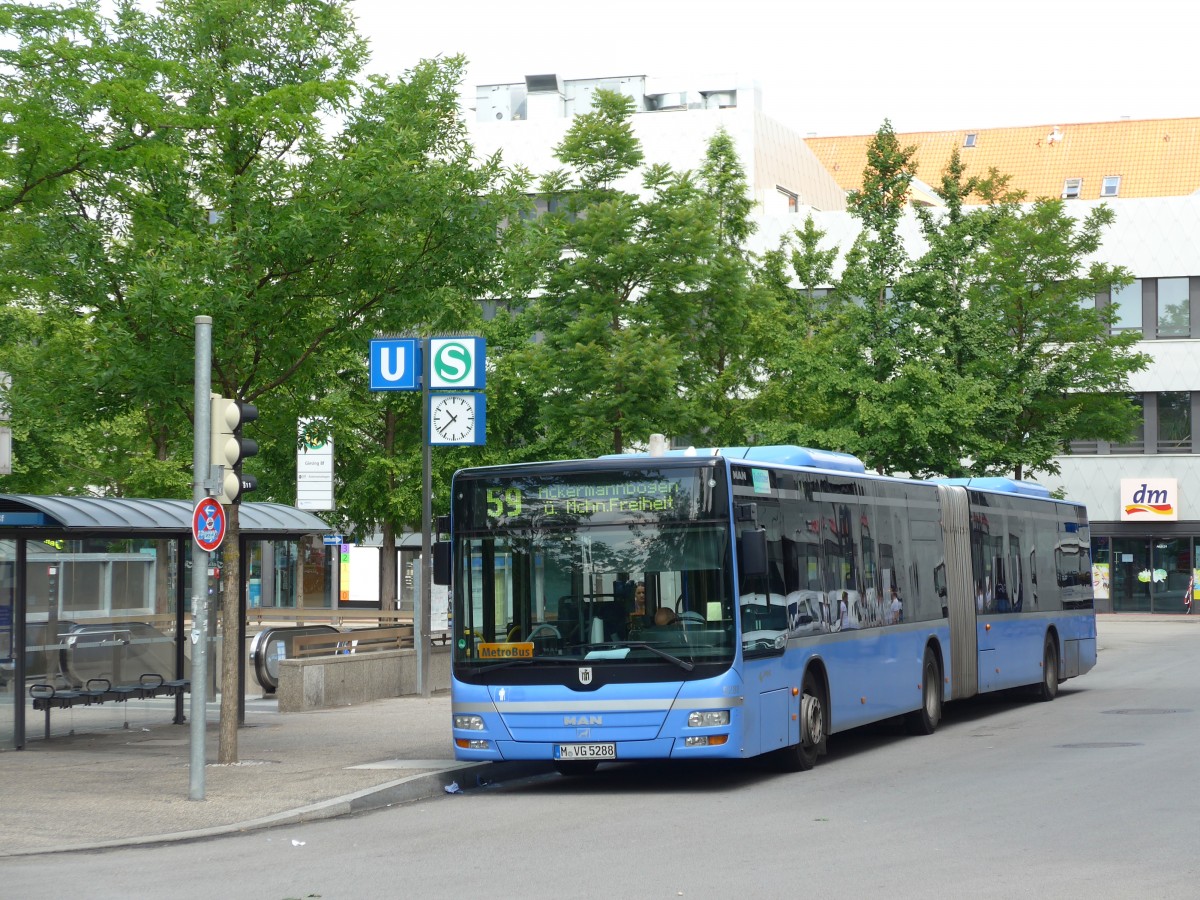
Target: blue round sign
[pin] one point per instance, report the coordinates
(208, 524)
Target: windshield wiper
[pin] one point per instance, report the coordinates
(526, 661)
(642, 645)
(505, 663)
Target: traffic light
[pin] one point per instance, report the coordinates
(229, 448)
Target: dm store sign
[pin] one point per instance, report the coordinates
(1149, 500)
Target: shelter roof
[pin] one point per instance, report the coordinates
(134, 516)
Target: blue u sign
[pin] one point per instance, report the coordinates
(395, 364)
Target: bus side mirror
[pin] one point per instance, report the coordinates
(752, 553)
(441, 563)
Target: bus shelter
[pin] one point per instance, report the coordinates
(98, 590)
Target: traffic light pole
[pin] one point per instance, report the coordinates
(199, 582)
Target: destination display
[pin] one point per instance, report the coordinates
(644, 495)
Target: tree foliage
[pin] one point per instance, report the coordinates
(226, 159)
(621, 293)
(981, 352)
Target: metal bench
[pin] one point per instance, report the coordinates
(100, 690)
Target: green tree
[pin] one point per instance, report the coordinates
(1056, 372)
(275, 192)
(620, 295)
(1007, 301)
(873, 383)
(726, 344)
(797, 273)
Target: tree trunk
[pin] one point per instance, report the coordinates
(387, 547)
(387, 571)
(231, 646)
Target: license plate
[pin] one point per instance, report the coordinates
(585, 751)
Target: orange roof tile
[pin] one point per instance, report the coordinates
(1152, 157)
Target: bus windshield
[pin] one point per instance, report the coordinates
(647, 583)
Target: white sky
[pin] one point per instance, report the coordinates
(834, 67)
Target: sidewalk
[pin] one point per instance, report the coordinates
(118, 786)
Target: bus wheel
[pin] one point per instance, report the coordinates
(803, 756)
(1048, 688)
(575, 767)
(925, 720)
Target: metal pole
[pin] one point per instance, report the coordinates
(20, 637)
(200, 477)
(425, 607)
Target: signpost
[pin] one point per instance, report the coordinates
(203, 486)
(394, 364)
(314, 467)
(458, 419)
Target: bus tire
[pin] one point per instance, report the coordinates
(925, 720)
(576, 767)
(813, 728)
(1047, 689)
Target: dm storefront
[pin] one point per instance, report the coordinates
(1144, 556)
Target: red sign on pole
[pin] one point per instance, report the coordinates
(208, 524)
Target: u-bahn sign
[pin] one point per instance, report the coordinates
(208, 524)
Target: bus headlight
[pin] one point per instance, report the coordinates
(708, 718)
(469, 723)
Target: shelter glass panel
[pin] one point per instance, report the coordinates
(8, 606)
(100, 616)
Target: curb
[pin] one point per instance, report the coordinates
(424, 786)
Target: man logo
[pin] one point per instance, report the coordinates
(585, 675)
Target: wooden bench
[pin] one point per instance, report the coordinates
(361, 640)
(100, 690)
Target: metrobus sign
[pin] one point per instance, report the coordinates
(1149, 500)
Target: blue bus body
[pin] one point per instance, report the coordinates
(808, 597)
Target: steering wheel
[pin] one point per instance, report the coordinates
(691, 617)
(544, 626)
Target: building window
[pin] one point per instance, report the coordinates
(1111, 186)
(969, 140)
(1175, 422)
(1137, 439)
(1072, 187)
(1174, 308)
(1127, 307)
(792, 200)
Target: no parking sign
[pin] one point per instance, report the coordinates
(208, 524)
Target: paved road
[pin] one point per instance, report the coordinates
(1090, 796)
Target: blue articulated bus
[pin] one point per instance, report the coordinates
(729, 603)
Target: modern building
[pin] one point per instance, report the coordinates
(1143, 496)
(526, 120)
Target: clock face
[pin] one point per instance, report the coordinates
(453, 419)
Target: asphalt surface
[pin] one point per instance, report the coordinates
(119, 774)
(124, 776)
